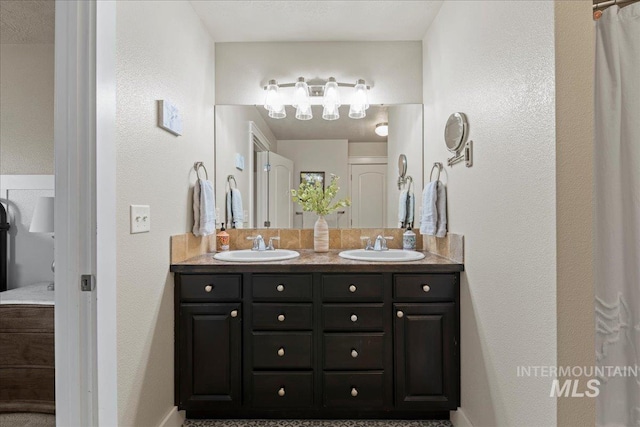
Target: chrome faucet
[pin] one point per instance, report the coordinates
(379, 245)
(259, 245)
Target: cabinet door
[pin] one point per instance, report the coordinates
(210, 356)
(426, 356)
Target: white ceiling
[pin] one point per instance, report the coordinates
(361, 130)
(27, 21)
(302, 20)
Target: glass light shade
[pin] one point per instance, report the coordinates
(360, 102)
(303, 112)
(42, 221)
(301, 93)
(331, 94)
(272, 97)
(382, 129)
(330, 112)
(278, 112)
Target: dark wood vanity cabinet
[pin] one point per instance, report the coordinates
(317, 345)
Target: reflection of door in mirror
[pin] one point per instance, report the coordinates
(368, 195)
(280, 185)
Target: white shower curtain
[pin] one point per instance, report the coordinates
(617, 211)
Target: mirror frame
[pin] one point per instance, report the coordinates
(455, 141)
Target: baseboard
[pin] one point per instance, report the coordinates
(459, 419)
(174, 418)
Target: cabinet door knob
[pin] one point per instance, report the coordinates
(234, 313)
(354, 318)
(400, 313)
(280, 317)
(354, 391)
(354, 353)
(281, 351)
(208, 288)
(352, 288)
(426, 288)
(280, 288)
(281, 392)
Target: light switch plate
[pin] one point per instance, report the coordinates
(140, 219)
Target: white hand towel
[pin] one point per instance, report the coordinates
(235, 211)
(402, 208)
(196, 208)
(434, 210)
(207, 208)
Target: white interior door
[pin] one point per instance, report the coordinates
(280, 185)
(368, 196)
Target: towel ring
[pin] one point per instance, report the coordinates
(229, 178)
(197, 166)
(435, 165)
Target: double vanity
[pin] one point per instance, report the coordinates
(317, 336)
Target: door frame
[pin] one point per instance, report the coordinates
(258, 142)
(85, 171)
(362, 160)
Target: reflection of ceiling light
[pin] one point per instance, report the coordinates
(304, 92)
(382, 129)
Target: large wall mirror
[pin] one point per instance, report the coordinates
(265, 158)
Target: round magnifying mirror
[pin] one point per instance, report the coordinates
(402, 165)
(455, 131)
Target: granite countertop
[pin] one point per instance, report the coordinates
(310, 261)
(36, 294)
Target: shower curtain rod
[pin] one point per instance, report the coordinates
(611, 3)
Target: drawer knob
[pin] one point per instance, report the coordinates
(426, 288)
(281, 351)
(208, 288)
(354, 391)
(354, 353)
(281, 392)
(280, 317)
(354, 318)
(352, 288)
(280, 288)
(400, 314)
(234, 313)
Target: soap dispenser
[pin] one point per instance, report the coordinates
(409, 240)
(222, 240)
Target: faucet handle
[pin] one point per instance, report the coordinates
(258, 242)
(270, 246)
(388, 237)
(367, 246)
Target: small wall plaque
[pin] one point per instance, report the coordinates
(169, 117)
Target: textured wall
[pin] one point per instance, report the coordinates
(574, 167)
(155, 61)
(26, 109)
(494, 61)
(242, 68)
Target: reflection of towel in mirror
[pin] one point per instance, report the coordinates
(235, 213)
(434, 210)
(406, 207)
(204, 209)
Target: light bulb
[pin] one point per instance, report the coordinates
(330, 112)
(360, 102)
(278, 112)
(331, 95)
(272, 97)
(303, 112)
(301, 94)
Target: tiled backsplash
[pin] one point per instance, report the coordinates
(185, 246)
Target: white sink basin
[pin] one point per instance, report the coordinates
(247, 255)
(391, 255)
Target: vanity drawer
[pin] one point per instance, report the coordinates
(273, 350)
(352, 287)
(354, 351)
(282, 287)
(354, 317)
(293, 317)
(353, 389)
(282, 389)
(210, 287)
(424, 287)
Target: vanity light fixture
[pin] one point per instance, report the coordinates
(273, 101)
(305, 91)
(382, 129)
